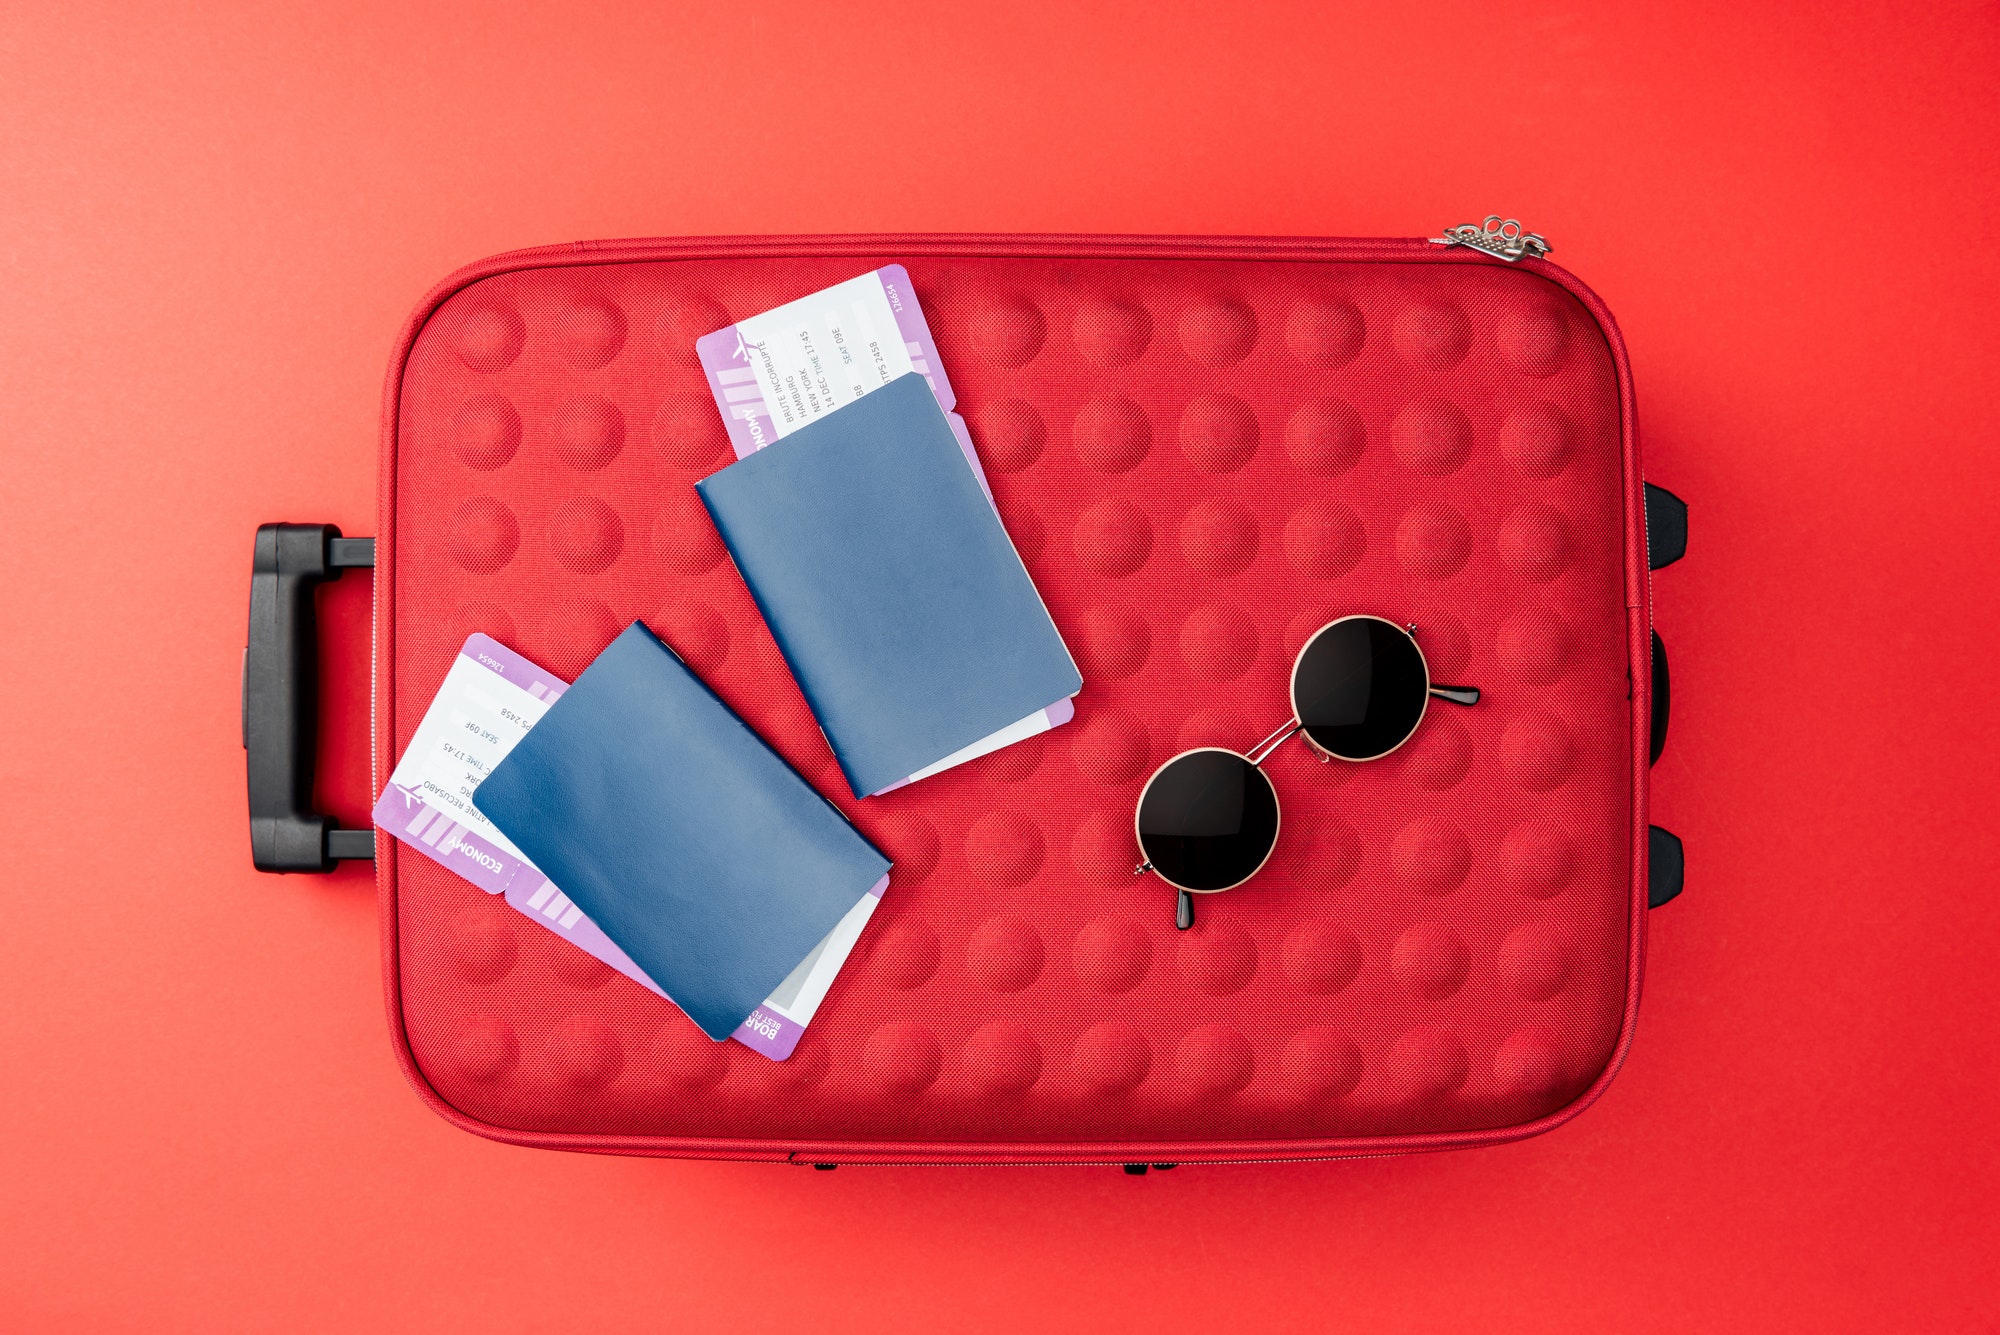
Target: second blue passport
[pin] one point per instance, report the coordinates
(893, 592)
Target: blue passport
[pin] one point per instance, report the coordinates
(890, 585)
(679, 831)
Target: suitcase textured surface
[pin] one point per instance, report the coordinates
(1204, 450)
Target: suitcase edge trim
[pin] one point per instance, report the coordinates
(1638, 597)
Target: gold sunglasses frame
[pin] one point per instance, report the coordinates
(1258, 754)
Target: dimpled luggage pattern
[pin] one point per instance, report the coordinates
(1203, 452)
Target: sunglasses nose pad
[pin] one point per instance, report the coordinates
(1184, 911)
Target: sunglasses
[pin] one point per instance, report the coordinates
(1208, 818)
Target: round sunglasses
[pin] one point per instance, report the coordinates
(1208, 819)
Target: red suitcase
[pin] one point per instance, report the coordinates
(1205, 449)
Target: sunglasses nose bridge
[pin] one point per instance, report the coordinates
(1261, 752)
(1253, 759)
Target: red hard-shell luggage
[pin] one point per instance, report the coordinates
(1204, 449)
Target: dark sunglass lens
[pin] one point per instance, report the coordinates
(1359, 688)
(1208, 819)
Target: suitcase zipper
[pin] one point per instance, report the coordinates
(1501, 238)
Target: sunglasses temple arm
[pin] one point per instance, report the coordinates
(1458, 695)
(1183, 906)
(1261, 752)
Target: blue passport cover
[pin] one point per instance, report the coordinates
(679, 831)
(890, 585)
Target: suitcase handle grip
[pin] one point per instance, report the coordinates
(281, 697)
(1666, 543)
(1663, 700)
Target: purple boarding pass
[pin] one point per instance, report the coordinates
(773, 373)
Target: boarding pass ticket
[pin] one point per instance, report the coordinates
(773, 373)
(490, 698)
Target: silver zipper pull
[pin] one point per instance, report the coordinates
(1502, 238)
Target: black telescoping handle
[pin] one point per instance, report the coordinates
(281, 697)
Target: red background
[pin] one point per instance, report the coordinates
(212, 222)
